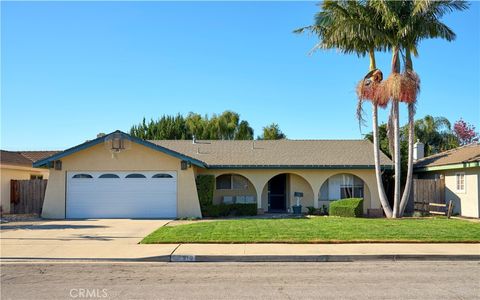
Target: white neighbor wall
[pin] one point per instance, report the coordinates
(466, 202)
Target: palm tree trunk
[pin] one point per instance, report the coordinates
(396, 142)
(371, 55)
(411, 135)
(378, 172)
(409, 179)
(376, 149)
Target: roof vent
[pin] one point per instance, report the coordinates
(100, 135)
(194, 141)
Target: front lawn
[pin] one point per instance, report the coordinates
(318, 230)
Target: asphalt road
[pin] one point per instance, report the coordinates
(372, 280)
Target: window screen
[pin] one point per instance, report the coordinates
(224, 182)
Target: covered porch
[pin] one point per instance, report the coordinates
(273, 190)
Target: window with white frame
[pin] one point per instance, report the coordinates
(460, 178)
(342, 186)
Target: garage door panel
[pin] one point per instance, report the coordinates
(122, 197)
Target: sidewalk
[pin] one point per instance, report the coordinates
(247, 252)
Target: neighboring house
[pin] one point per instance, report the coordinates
(460, 168)
(18, 165)
(120, 176)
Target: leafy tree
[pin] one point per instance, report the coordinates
(436, 133)
(272, 132)
(196, 126)
(244, 131)
(465, 132)
(226, 126)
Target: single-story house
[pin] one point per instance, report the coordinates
(460, 169)
(18, 165)
(120, 176)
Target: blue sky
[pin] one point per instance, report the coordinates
(72, 69)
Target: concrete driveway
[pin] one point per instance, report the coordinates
(88, 239)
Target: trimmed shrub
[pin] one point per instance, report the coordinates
(325, 210)
(243, 209)
(351, 207)
(215, 211)
(205, 187)
(223, 210)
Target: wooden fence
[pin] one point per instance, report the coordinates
(26, 196)
(427, 191)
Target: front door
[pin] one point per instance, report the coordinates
(277, 198)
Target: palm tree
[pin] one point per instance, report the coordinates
(362, 27)
(408, 22)
(354, 27)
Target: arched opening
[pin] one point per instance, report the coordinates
(234, 188)
(278, 193)
(341, 186)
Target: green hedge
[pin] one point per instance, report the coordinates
(351, 207)
(223, 210)
(205, 187)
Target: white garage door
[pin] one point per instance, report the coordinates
(121, 194)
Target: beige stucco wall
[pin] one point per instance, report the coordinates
(9, 172)
(138, 158)
(466, 202)
(308, 181)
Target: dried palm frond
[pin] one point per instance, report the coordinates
(381, 98)
(373, 91)
(360, 113)
(402, 87)
(366, 89)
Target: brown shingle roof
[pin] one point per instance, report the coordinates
(23, 158)
(307, 153)
(37, 155)
(14, 158)
(465, 154)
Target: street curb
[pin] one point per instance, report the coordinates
(161, 258)
(322, 258)
(258, 258)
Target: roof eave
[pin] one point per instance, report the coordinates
(463, 165)
(385, 167)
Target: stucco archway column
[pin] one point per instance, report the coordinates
(259, 198)
(259, 180)
(316, 186)
(315, 198)
(259, 185)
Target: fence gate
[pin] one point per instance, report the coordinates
(26, 196)
(427, 191)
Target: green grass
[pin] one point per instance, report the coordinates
(318, 230)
